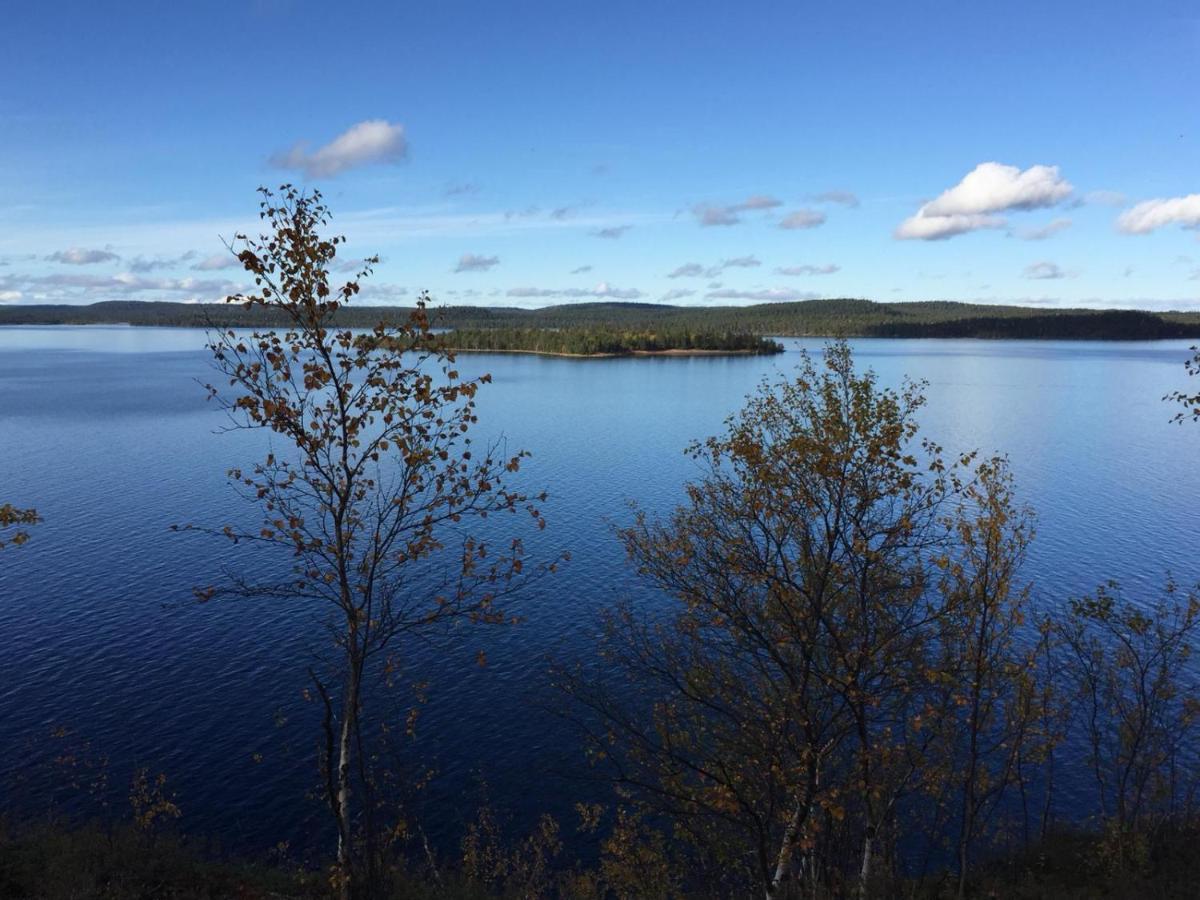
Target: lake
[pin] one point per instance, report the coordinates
(107, 432)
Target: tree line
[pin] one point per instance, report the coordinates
(851, 692)
(845, 317)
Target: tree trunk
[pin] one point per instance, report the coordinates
(342, 799)
(787, 848)
(864, 873)
(963, 848)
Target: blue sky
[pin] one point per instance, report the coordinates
(520, 153)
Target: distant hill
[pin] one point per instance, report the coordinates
(833, 318)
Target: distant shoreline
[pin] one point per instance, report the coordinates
(623, 355)
(845, 317)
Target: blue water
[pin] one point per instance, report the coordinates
(107, 433)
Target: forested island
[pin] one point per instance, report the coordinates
(607, 342)
(808, 318)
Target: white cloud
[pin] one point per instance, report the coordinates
(709, 214)
(472, 262)
(10, 296)
(1046, 231)
(1150, 215)
(79, 256)
(987, 189)
(827, 269)
(367, 143)
(62, 287)
(803, 218)
(991, 187)
(1043, 270)
(937, 228)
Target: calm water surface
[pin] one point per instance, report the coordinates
(107, 433)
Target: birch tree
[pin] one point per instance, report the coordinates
(990, 704)
(769, 715)
(373, 485)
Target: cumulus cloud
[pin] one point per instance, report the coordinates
(1043, 270)
(710, 214)
(1150, 215)
(473, 262)
(986, 190)
(764, 295)
(938, 228)
(80, 256)
(687, 270)
(10, 296)
(367, 143)
(827, 269)
(803, 218)
(1046, 231)
(845, 198)
(602, 291)
(611, 233)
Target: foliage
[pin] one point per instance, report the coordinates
(150, 801)
(1190, 402)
